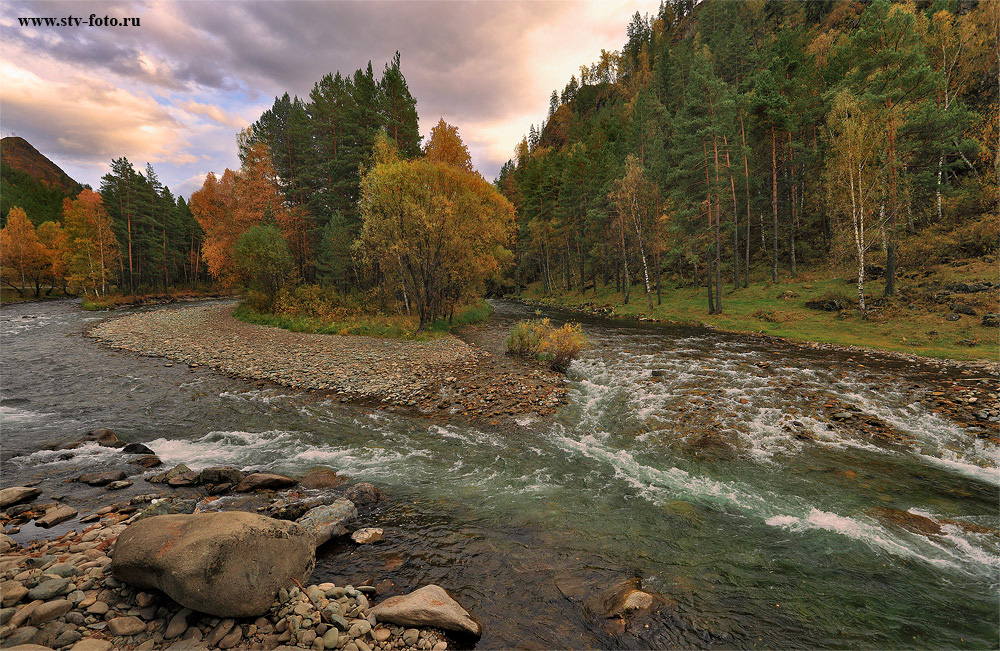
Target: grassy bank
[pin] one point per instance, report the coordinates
(392, 327)
(913, 322)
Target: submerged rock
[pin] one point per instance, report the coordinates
(368, 535)
(363, 494)
(136, 448)
(102, 436)
(431, 605)
(228, 564)
(321, 478)
(329, 520)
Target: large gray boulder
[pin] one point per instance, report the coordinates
(229, 564)
(329, 520)
(431, 605)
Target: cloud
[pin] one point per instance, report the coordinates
(176, 89)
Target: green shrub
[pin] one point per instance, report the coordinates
(538, 339)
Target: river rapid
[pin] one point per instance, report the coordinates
(703, 463)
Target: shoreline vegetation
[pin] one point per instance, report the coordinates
(932, 321)
(400, 326)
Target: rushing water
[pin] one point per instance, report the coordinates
(692, 480)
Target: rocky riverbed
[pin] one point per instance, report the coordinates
(69, 592)
(445, 376)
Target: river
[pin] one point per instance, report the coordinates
(704, 463)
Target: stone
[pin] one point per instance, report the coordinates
(23, 636)
(219, 631)
(98, 608)
(166, 475)
(368, 535)
(621, 599)
(92, 644)
(118, 485)
(228, 564)
(136, 448)
(431, 605)
(991, 320)
(177, 624)
(221, 475)
(17, 494)
(184, 479)
(126, 626)
(264, 481)
(165, 507)
(381, 634)
(12, 592)
(330, 520)
(232, 639)
(962, 308)
(321, 478)
(410, 636)
(49, 610)
(101, 478)
(146, 461)
(49, 589)
(363, 494)
(55, 515)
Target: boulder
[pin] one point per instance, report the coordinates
(126, 626)
(615, 606)
(189, 478)
(146, 461)
(329, 520)
(118, 485)
(321, 478)
(363, 494)
(55, 515)
(167, 475)
(17, 494)
(221, 475)
(431, 605)
(136, 448)
(264, 480)
(227, 564)
(101, 478)
(962, 308)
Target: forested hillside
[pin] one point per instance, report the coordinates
(736, 141)
(31, 181)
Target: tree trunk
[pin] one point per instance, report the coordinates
(774, 203)
(736, 221)
(746, 178)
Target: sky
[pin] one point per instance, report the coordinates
(176, 90)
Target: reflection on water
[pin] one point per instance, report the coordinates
(703, 463)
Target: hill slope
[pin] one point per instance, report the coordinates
(30, 180)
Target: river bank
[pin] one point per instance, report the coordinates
(63, 588)
(444, 376)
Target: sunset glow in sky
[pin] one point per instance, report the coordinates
(175, 90)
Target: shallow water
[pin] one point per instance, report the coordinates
(693, 480)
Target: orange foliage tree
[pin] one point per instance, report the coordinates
(22, 256)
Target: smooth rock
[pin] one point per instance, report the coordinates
(49, 610)
(167, 475)
(229, 564)
(431, 605)
(219, 631)
(92, 644)
(264, 480)
(13, 592)
(118, 485)
(48, 589)
(17, 494)
(101, 478)
(102, 436)
(55, 515)
(126, 626)
(177, 624)
(368, 535)
(146, 461)
(325, 522)
(321, 478)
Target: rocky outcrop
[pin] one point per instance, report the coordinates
(329, 520)
(431, 605)
(225, 564)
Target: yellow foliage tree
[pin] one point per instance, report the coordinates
(92, 242)
(435, 230)
(444, 145)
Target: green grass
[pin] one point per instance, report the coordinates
(921, 329)
(384, 326)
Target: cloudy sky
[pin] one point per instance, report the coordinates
(175, 90)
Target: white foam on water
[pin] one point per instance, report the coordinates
(9, 415)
